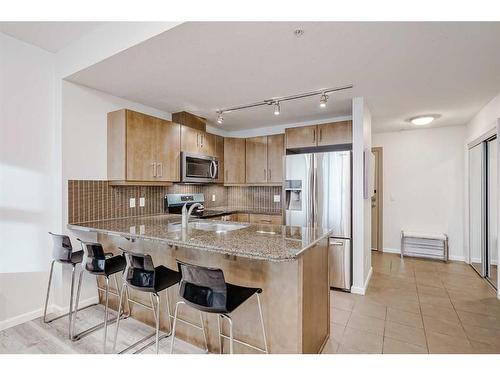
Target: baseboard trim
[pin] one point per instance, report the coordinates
(52, 309)
(362, 290)
(459, 258)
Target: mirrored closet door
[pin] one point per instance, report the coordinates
(483, 232)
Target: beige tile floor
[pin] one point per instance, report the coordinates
(416, 306)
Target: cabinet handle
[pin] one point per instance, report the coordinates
(154, 169)
(197, 139)
(320, 135)
(160, 174)
(202, 136)
(314, 135)
(269, 174)
(226, 176)
(265, 174)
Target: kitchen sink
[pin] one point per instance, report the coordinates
(209, 226)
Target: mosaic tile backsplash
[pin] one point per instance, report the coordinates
(90, 200)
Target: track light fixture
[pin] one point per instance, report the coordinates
(323, 100)
(277, 108)
(277, 101)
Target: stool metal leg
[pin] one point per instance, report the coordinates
(231, 338)
(70, 316)
(157, 322)
(175, 323)
(204, 333)
(76, 337)
(220, 333)
(106, 298)
(262, 323)
(124, 287)
(48, 293)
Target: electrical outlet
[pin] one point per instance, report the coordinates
(277, 198)
(213, 197)
(142, 229)
(132, 203)
(142, 202)
(132, 230)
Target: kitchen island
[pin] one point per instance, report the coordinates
(289, 263)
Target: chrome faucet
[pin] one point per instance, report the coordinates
(186, 213)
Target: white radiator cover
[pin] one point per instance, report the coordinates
(424, 245)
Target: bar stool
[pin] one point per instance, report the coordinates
(62, 252)
(205, 289)
(99, 263)
(141, 274)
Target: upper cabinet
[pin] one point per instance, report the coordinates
(234, 160)
(264, 159)
(334, 133)
(142, 148)
(197, 141)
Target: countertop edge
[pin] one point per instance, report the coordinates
(78, 227)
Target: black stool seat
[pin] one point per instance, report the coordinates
(236, 295)
(76, 257)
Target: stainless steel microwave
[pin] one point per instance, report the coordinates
(199, 168)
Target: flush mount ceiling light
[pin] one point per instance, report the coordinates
(277, 108)
(423, 119)
(276, 101)
(323, 100)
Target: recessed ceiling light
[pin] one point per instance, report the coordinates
(423, 120)
(298, 32)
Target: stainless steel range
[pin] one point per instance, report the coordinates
(175, 202)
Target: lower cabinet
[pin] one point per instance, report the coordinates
(265, 219)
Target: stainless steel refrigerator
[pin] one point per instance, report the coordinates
(318, 193)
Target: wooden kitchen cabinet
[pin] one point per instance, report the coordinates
(265, 219)
(335, 133)
(256, 160)
(142, 148)
(275, 152)
(234, 160)
(304, 136)
(219, 154)
(197, 141)
(264, 159)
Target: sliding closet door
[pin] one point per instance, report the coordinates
(477, 192)
(492, 231)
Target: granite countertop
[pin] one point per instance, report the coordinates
(256, 241)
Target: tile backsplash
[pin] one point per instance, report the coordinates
(90, 200)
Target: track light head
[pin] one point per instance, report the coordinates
(277, 108)
(323, 100)
(220, 119)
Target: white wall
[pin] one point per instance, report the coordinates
(27, 183)
(423, 184)
(361, 207)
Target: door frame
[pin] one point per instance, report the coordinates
(379, 184)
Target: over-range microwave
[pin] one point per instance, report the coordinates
(196, 168)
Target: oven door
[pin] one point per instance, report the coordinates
(199, 168)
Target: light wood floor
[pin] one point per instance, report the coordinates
(411, 306)
(36, 337)
(417, 306)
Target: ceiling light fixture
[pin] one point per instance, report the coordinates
(277, 108)
(220, 119)
(323, 100)
(423, 120)
(277, 100)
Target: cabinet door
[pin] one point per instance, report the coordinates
(305, 136)
(190, 140)
(234, 160)
(168, 138)
(256, 160)
(265, 219)
(219, 154)
(335, 133)
(141, 133)
(275, 152)
(207, 143)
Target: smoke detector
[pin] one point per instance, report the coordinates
(298, 32)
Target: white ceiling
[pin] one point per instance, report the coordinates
(50, 36)
(402, 69)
